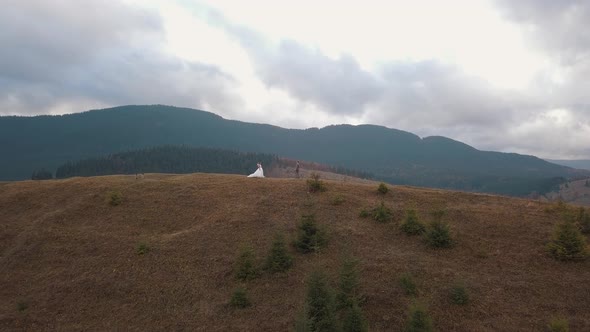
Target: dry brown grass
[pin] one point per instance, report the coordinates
(72, 258)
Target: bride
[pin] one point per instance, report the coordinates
(259, 172)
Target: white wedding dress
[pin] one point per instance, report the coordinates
(258, 174)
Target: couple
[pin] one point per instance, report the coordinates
(259, 172)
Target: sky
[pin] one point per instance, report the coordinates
(501, 75)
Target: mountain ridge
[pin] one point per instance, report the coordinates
(573, 163)
(393, 155)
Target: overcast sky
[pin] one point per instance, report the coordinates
(501, 75)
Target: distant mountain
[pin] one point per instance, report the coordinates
(579, 164)
(31, 143)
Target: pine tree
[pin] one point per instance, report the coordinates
(245, 265)
(240, 299)
(349, 284)
(320, 304)
(382, 188)
(310, 237)
(278, 259)
(568, 243)
(584, 220)
(382, 213)
(419, 320)
(353, 320)
(439, 235)
(411, 225)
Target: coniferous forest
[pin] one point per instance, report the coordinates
(182, 160)
(168, 159)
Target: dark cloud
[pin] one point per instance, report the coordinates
(41, 39)
(73, 55)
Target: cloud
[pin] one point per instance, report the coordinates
(65, 34)
(428, 97)
(554, 133)
(339, 86)
(69, 56)
(431, 97)
(560, 30)
(420, 90)
(432, 94)
(559, 27)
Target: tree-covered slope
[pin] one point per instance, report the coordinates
(167, 159)
(32, 143)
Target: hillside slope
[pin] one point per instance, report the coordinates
(69, 261)
(396, 156)
(574, 192)
(580, 164)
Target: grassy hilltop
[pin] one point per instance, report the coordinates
(159, 253)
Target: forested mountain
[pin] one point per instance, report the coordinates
(31, 143)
